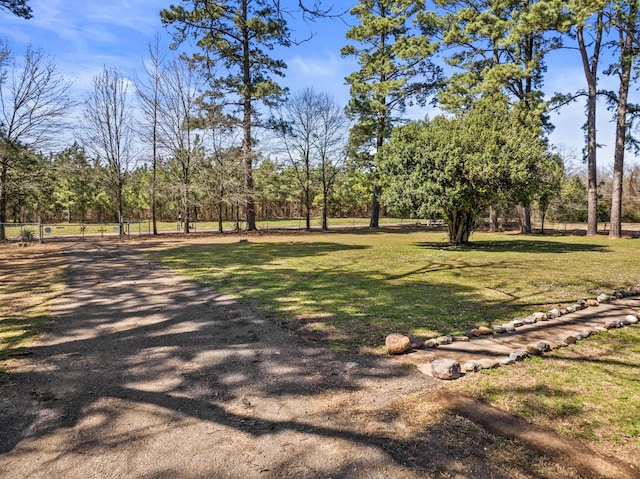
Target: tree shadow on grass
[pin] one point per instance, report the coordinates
(339, 301)
(333, 300)
(520, 246)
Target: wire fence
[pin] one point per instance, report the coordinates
(137, 228)
(23, 232)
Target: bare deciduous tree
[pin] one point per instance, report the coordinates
(149, 96)
(178, 126)
(330, 144)
(311, 130)
(34, 100)
(108, 131)
(296, 125)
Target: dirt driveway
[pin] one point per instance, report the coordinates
(144, 374)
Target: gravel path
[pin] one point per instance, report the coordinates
(144, 374)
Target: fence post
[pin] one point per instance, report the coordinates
(39, 230)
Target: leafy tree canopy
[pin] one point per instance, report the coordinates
(17, 7)
(454, 168)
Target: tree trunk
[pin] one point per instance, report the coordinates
(460, 224)
(375, 207)
(248, 169)
(307, 206)
(325, 194)
(3, 200)
(627, 32)
(525, 227)
(325, 209)
(493, 220)
(187, 210)
(247, 147)
(153, 201)
(218, 208)
(591, 72)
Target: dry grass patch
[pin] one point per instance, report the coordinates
(29, 279)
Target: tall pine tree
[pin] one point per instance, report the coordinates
(395, 68)
(238, 35)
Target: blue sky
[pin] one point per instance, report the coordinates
(84, 35)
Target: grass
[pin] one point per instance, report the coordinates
(29, 279)
(355, 288)
(590, 391)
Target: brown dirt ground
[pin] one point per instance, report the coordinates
(141, 373)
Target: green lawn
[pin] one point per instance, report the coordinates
(353, 288)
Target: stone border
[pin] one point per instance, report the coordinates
(445, 368)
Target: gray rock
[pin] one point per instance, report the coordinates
(509, 327)
(506, 361)
(545, 346)
(553, 313)
(471, 366)
(578, 306)
(540, 316)
(629, 319)
(586, 332)
(612, 324)
(488, 363)
(396, 343)
(474, 333)
(517, 322)
(535, 349)
(416, 343)
(571, 309)
(519, 355)
(446, 369)
(604, 298)
(553, 345)
(530, 320)
(440, 340)
(499, 329)
(599, 330)
(430, 343)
